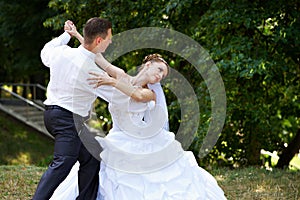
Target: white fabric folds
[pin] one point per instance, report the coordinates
(141, 160)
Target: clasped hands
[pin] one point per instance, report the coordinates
(97, 79)
(70, 28)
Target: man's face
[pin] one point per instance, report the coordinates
(105, 42)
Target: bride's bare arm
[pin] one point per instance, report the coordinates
(123, 84)
(112, 70)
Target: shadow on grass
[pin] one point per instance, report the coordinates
(22, 145)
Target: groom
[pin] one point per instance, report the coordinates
(69, 100)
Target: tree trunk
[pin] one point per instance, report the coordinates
(38, 79)
(14, 89)
(24, 92)
(289, 152)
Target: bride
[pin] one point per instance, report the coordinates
(141, 160)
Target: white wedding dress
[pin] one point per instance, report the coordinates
(143, 161)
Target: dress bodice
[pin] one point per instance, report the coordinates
(138, 135)
(122, 108)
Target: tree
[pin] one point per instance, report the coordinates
(255, 44)
(22, 36)
(289, 152)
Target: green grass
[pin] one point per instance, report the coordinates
(25, 154)
(19, 182)
(259, 184)
(23, 145)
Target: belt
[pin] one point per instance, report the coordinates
(78, 117)
(51, 107)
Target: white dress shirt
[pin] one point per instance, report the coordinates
(69, 67)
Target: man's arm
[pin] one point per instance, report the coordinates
(49, 50)
(112, 70)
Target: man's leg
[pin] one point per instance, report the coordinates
(66, 150)
(88, 175)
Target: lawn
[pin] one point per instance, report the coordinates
(24, 155)
(19, 182)
(20, 144)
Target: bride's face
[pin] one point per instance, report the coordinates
(156, 71)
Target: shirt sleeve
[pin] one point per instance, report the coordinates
(49, 50)
(105, 92)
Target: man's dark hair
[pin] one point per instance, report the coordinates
(95, 27)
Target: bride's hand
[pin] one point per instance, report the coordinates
(101, 79)
(70, 28)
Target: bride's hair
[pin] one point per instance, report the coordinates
(154, 58)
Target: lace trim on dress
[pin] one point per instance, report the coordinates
(156, 119)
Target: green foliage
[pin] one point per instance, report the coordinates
(255, 45)
(249, 43)
(22, 36)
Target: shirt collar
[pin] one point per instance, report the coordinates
(86, 52)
